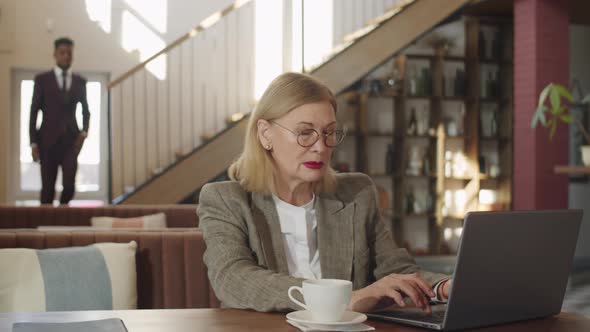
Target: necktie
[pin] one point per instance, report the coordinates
(64, 90)
(63, 81)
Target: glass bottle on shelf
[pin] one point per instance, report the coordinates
(419, 83)
(429, 204)
(451, 126)
(483, 165)
(494, 170)
(412, 81)
(491, 85)
(412, 124)
(410, 202)
(494, 124)
(485, 123)
(419, 205)
(483, 86)
(415, 160)
(426, 164)
(461, 120)
(422, 121)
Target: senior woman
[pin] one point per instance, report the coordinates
(287, 216)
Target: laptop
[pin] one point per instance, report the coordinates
(511, 266)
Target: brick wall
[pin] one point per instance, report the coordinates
(541, 56)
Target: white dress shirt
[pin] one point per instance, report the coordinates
(59, 76)
(299, 229)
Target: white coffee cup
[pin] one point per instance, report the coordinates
(325, 299)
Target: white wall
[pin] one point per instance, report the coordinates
(26, 42)
(579, 193)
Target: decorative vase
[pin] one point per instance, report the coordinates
(585, 149)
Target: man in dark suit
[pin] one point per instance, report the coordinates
(59, 140)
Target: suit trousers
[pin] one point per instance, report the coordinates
(65, 154)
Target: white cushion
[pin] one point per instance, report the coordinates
(101, 276)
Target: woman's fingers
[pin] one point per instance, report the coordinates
(424, 286)
(421, 287)
(414, 294)
(396, 296)
(412, 286)
(419, 282)
(425, 294)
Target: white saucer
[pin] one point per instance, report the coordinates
(349, 318)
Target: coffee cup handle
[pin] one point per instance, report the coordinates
(300, 290)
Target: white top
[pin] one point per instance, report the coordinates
(58, 75)
(299, 229)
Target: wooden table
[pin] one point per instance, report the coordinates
(194, 320)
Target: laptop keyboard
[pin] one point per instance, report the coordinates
(436, 317)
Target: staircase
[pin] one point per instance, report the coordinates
(162, 148)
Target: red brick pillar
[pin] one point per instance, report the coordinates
(541, 56)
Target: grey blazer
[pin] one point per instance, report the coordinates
(245, 255)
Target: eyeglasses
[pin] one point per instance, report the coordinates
(308, 137)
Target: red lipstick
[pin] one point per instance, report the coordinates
(314, 164)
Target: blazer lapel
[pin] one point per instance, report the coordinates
(266, 219)
(335, 237)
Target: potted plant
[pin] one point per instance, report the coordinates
(549, 113)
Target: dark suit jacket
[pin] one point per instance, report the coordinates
(245, 255)
(59, 113)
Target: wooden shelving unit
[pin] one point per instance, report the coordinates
(417, 189)
(572, 170)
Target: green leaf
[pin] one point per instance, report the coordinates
(554, 96)
(566, 118)
(564, 92)
(535, 120)
(559, 111)
(542, 117)
(544, 93)
(553, 128)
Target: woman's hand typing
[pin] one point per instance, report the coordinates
(391, 290)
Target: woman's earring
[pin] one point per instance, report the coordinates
(267, 147)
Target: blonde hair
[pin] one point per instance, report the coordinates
(254, 169)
